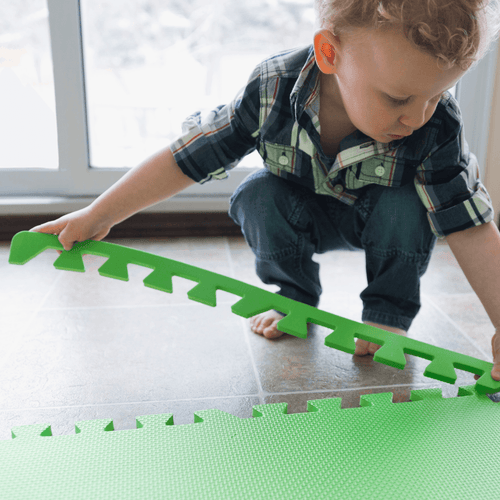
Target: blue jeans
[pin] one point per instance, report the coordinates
(285, 223)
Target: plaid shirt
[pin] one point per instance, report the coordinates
(277, 113)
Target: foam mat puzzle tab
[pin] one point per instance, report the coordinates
(428, 448)
(253, 300)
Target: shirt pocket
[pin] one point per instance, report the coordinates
(371, 171)
(280, 158)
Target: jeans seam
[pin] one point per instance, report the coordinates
(276, 256)
(299, 261)
(412, 257)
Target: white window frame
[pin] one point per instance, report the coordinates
(76, 183)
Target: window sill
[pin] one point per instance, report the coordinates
(179, 216)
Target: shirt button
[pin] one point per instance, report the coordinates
(283, 160)
(338, 188)
(380, 170)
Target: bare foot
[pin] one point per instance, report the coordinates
(265, 324)
(363, 347)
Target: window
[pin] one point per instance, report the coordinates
(148, 65)
(27, 99)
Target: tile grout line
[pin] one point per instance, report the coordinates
(129, 403)
(243, 324)
(320, 391)
(424, 385)
(442, 313)
(23, 336)
(130, 306)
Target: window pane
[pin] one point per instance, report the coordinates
(28, 132)
(148, 65)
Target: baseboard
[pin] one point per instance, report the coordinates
(144, 225)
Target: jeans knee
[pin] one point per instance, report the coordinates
(264, 197)
(263, 206)
(399, 220)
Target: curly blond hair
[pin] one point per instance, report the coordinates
(455, 32)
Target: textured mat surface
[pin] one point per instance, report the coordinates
(428, 448)
(253, 300)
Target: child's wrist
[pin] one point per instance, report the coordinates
(99, 217)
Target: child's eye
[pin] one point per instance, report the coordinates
(397, 102)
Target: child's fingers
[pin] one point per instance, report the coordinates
(66, 238)
(495, 372)
(57, 228)
(53, 227)
(362, 347)
(495, 345)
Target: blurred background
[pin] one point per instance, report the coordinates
(147, 65)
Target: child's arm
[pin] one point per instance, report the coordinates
(155, 179)
(477, 251)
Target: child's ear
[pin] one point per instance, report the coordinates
(324, 51)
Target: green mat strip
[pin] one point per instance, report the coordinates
(253, 300)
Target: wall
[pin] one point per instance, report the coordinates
(492, 175)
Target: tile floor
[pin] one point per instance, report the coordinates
(78, 346)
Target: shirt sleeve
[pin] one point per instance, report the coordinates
(211, 145)
(448, 181)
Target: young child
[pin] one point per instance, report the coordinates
(323, 118)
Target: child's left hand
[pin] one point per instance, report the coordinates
(495, 347)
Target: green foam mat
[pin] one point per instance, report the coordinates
(428, 448)
(253, 300)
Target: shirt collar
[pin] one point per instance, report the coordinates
(306, 86)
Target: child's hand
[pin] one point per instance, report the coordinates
(495, 346)
(74, 227)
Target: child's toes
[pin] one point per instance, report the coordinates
(373, 348)
(256, 324)
(272, 332)
(259, 326)
(266, 323)
(361, 347)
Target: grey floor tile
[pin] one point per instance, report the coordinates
(290, 364)
(90, 289)
(444, 275)
(434, 327)
(342, 272)
(206, 249)
(25, 287)
(96, 356)
(15, 329)
(467, 313)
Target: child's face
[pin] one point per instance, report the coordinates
(361, 75)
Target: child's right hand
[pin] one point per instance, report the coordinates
(74, 227)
